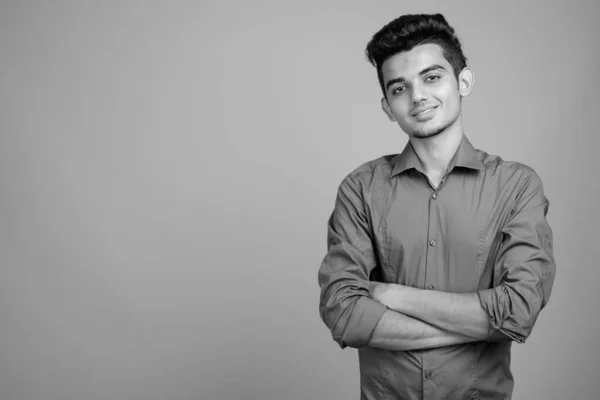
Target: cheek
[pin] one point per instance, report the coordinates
(400, 108)
(449, 95)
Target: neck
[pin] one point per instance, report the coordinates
(436, 152)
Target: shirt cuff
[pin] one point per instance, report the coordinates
(362, 322)
(490, 301)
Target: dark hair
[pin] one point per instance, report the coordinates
(411, 30)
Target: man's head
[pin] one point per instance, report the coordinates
(422, 72)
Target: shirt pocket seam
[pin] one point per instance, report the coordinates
(483, 249)
(386, 247)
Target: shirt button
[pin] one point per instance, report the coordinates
(428, 375)
(430, 287)
(435, 196)
(432, 242)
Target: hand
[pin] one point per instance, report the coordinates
(380, 292)
(388, 294)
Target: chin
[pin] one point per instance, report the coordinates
(427, 133)
(430, 128)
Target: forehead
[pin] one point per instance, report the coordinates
(408, 64)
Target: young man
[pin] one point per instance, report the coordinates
(441, 256)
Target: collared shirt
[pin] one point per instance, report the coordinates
(482, 230)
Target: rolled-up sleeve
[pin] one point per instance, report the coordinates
(525, 267)
(345, 305)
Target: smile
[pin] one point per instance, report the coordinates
(426, 111)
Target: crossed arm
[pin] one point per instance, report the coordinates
(425, 318)
(396, 331)
(459, 313)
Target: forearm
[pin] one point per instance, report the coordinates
(459, 313)
(396, 331)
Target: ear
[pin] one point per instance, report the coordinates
(466, 79)
(387, 110)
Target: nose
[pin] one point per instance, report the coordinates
(419, 93)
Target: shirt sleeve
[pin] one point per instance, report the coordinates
(525, 267)
(345, 305)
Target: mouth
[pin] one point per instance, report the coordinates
(423, 111)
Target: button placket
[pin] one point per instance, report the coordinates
(432, 261)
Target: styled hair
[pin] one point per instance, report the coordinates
(411, 30)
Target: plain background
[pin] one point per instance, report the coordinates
(167, 170)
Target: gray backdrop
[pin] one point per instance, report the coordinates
(167, 170)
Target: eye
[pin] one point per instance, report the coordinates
(399, 89)
(432, 78)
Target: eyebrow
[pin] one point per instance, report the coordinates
(423, 72)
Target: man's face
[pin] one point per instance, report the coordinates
(423, 95)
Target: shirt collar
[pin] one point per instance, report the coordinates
(465, 156)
